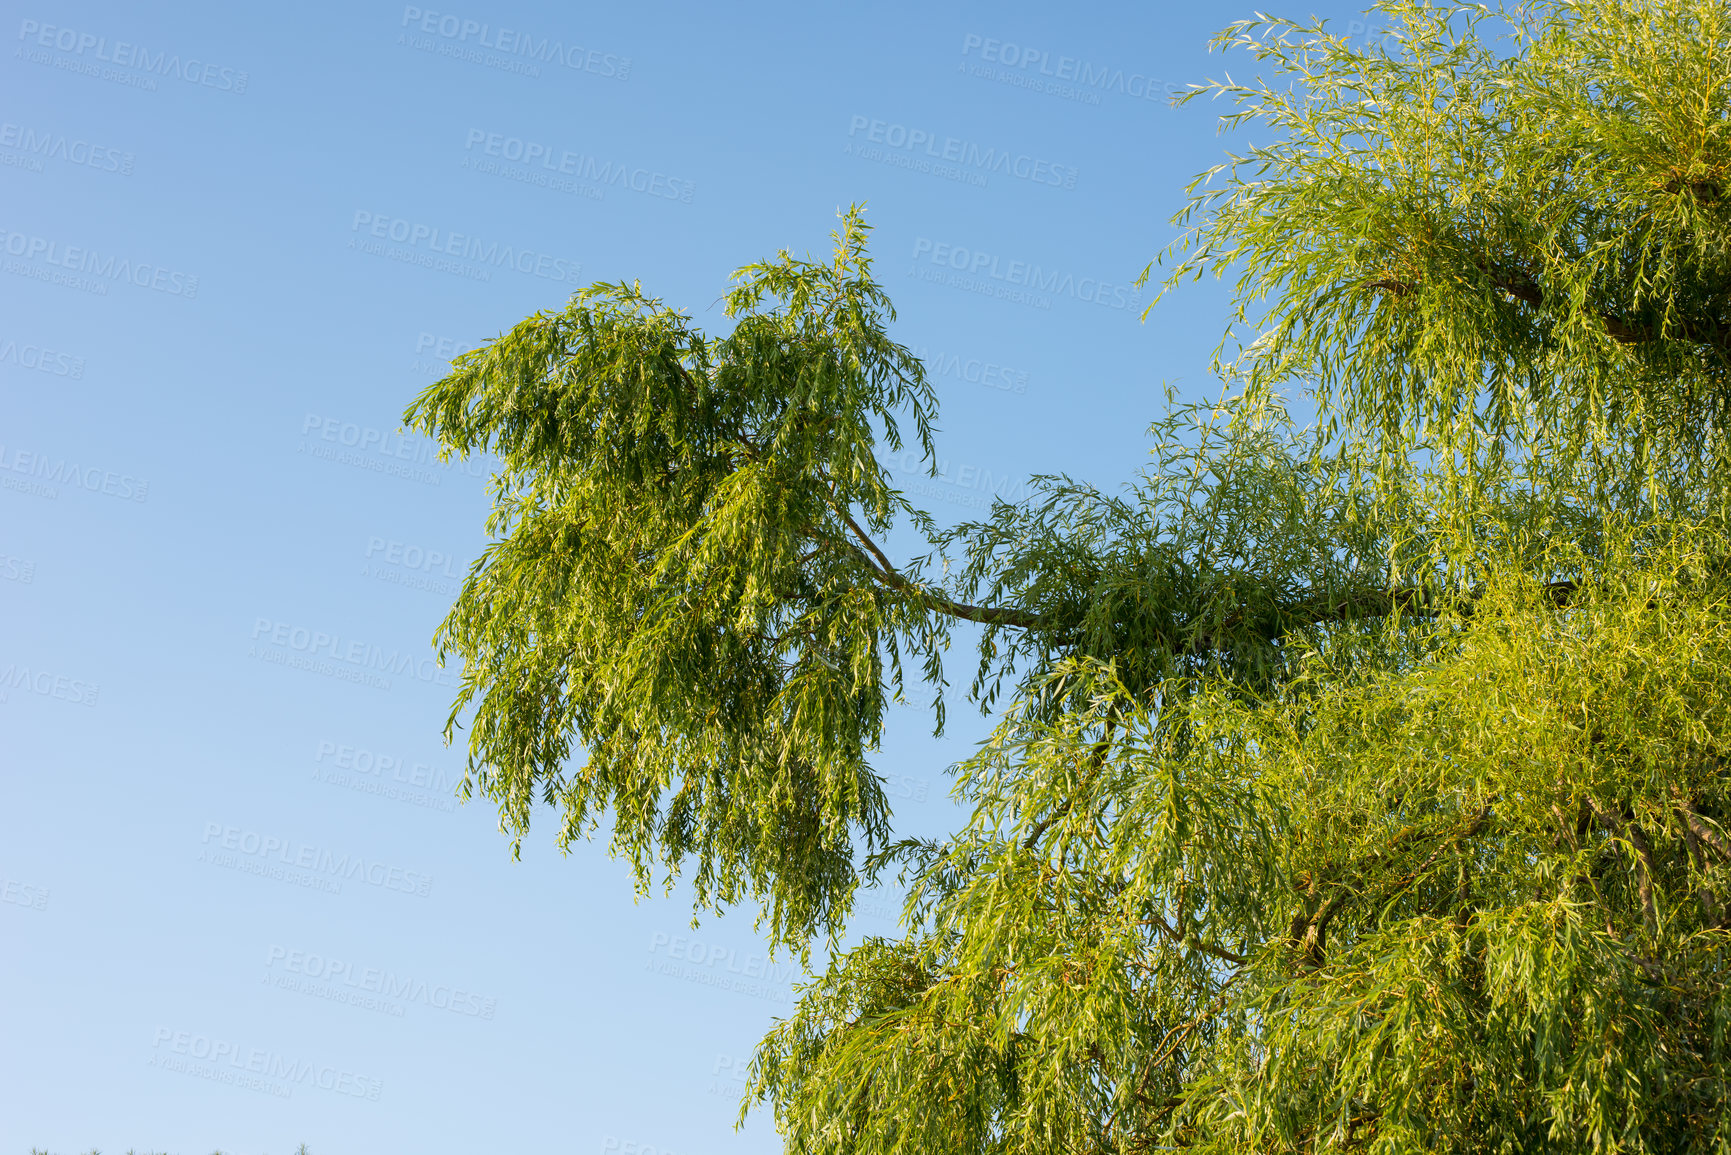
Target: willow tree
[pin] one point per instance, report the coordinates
(1356, 787)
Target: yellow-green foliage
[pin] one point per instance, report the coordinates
(1517, 213)
(1362, 788)
(1478, 894)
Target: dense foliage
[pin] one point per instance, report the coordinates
(1358, 788)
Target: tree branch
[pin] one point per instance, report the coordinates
(1700, 829)
(1193, 943)
(1525, 289)
(1644, 869)
(887, 574)
(1694, 857)
(1310, 928)
(1045, 824)
(1374, 604)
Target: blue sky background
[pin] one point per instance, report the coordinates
(220, 565)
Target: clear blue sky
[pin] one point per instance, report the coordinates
(240, 908)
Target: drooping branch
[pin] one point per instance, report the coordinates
(1644, 868)
(1700, 829)
(1194, 943)
(1695, 858)
(1309, 930)
(1521, 286)
(1412, 601)
(1101, 749)
(886, 573)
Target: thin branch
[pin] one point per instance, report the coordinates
(1695, 857)
(1700, 829)
(1414, 602)
(1309, 931)
(1644, 870)
(1193, 943)
(1523, 288)
(1101, 749)
(1045, 824)
(880, 567)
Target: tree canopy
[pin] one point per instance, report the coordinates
(1357, 787)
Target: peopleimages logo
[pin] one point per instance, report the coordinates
(23, 894)
(364, 771)
(361, 661)
(40, 358)
(460, 32)
(17, 569)
(1036, 69)
(436, 242)
(47, 684)
(345, 978)
(379, 451)
(45, 145)
(254, 1067)
(554, 161)
(410, 556)
(444, 350)
(983, 159)
(729, 1076)
(981, 271)
(327, 869)
(90, 47)
(950, 484)
(714, 965)
(973, 370)
(90, 263)
(412, 567)
(49, 471)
